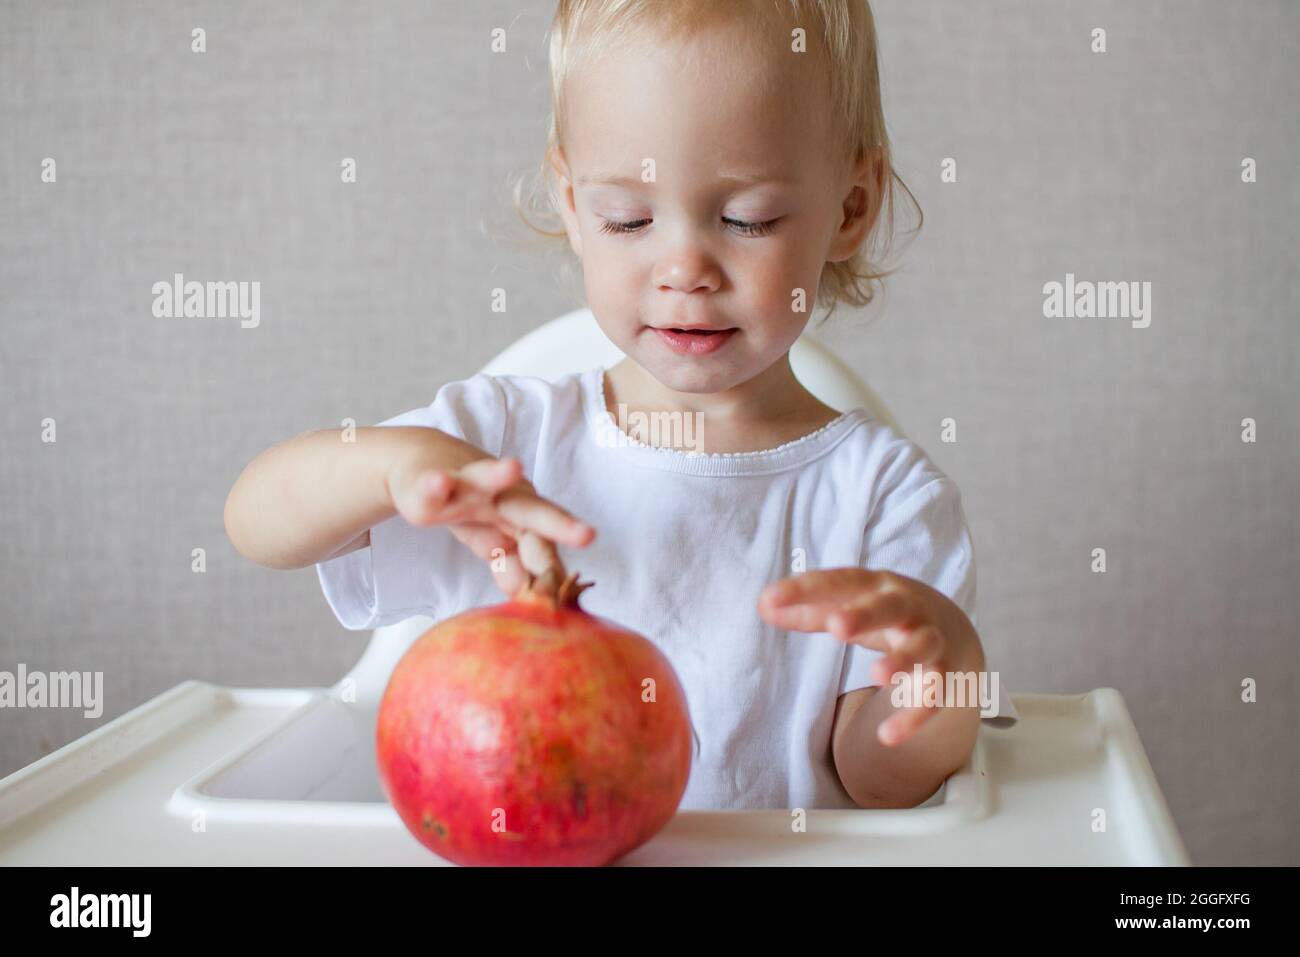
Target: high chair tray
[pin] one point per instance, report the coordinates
(204, 774)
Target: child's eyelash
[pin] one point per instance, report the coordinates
(744, 228)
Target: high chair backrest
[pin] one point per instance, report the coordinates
(574, 343)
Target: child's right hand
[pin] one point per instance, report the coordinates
(490, 507)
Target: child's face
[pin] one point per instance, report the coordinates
(701, 110)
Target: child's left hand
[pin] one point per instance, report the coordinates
(906, 619)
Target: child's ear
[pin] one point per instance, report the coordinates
(564, 196)
(861, 203)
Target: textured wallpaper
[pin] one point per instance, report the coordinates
(1095, 333)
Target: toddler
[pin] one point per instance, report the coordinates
(716, 168)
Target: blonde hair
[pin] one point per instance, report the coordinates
(846, 32)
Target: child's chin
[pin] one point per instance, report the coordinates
(688, 374)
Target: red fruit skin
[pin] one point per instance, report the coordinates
(518, 735)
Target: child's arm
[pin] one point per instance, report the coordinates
(912, 623)
(906, 772)
(315, 497)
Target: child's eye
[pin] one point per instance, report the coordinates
(609, 226)
(744, 228)
(751, 229)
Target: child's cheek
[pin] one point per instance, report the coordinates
(782, 279)
(613, 284)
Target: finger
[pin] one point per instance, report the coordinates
(420, 503)
(913, 687)
(872, 611)
(797, 617)
(485, 541)
(527, 512)
(498, 550)
(822, 585)
(536, 554)
(902, 724)
(492, 476)
(924, 645)
(885, 668)
(509, 573)
(914, 710)
(435, 486)
(906, 648)
(812, 601)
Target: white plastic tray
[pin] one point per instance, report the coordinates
(204, 774)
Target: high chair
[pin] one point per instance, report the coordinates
(205, 774)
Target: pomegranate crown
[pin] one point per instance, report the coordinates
(555, 586)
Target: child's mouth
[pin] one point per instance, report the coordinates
(694, 342)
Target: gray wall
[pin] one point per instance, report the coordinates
(1072, 434)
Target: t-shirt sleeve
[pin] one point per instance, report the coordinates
(921, 531)
(406, 570)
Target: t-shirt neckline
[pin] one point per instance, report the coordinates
(604, 432)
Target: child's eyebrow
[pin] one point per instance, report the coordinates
(745, 179)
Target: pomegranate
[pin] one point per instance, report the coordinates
(533, 733)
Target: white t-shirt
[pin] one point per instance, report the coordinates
(685, 542)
